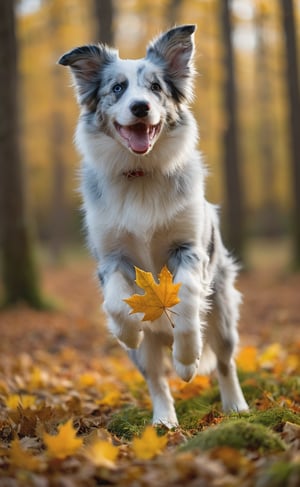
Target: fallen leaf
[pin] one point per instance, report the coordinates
(247, 359)
(149, 445)
(157, 298)
(232, 458)
(293, 363)
(37, 378)
(26, 401)
(271, 355)
(183, 390)
(20, 458)
(102, 453)
(112, 398)
(291, 434)
(65, 443)
(87, 380)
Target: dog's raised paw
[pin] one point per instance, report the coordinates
(131, 338)
(186, 372)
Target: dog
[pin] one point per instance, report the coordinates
(142, 182)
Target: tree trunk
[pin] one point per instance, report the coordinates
(59, 221)
(292, 81)
(172, 12)
(104, 16)
(234, 203)
(265, 128)
(19, 272)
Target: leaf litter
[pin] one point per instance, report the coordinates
(75, 411)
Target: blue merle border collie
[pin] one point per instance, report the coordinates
(142, 183)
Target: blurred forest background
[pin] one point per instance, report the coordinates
(247, 105)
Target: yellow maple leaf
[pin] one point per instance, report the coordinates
(37, 378)
(149, 445)
(102, 453)
(111, 398)
(158, 296)
(20, 458)
(65, 443)
(271, 355)
(26, 401)
(87, 380)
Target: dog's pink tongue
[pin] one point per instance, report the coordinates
(137, 137)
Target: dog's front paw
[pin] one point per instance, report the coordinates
(186, 371)
(169, 423)
(238, 406)
(165, 418)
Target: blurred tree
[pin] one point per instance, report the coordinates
(232, 161)
(104, 16)
(265, 125)
(18, 267)
(173, 12)
(59, 221)
(292, 80)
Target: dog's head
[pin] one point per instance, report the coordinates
(133, 101)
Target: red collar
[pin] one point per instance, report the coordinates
(134, 173)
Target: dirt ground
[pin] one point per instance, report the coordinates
(67, 367)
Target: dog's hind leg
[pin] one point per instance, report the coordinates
(149, 358)
(222, 335)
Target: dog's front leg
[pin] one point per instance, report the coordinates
(188, 268)
(116, 283)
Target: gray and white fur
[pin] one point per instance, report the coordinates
(142, 183)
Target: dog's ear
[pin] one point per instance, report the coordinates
(175, 50)
(86, 63)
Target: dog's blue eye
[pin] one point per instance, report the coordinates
(156, 87)
(118, 88)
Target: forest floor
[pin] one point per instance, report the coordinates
(74, 410)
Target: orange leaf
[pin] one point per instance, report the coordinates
(157, 297)
(65, 443)
(149, 445)
(183, 390)
(247, 359)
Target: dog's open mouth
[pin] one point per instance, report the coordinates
(139, 137)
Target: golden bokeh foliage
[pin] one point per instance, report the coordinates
(49, 112)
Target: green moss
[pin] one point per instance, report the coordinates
(239, 434)
(129, 422)
(254, 386)
(274, 417)
(191, 411)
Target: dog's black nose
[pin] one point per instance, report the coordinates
(140, 109)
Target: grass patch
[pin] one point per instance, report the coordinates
(238, 434)
(265, 386)
(129, 422)
(191, 411)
